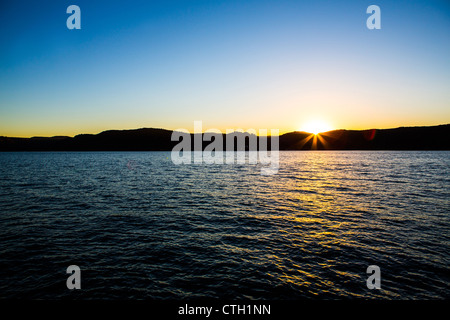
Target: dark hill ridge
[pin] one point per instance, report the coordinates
(149, 139)
(404, 138)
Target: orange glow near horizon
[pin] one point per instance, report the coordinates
(64, 128)
(316, 126)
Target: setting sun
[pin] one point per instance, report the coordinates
(316, 126)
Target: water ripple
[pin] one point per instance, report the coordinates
(140, 227)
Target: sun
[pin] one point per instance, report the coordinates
(316, 126)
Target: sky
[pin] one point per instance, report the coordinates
(230, 64)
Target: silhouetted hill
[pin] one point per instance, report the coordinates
(148, 139)
(124, 140)
(404, 138)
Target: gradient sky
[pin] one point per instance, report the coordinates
(232, 64)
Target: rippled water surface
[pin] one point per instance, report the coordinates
(140, 227)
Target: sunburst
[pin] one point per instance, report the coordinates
(316, 126)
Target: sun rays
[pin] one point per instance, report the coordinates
(316, 126)
(318, 141)
(317, 129)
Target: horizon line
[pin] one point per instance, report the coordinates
(219, 131)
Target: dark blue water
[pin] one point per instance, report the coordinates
(140, 227)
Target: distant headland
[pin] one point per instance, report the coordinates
(150, 139)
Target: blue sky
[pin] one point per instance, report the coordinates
(232, 64)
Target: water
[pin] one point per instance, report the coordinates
(140, 227)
